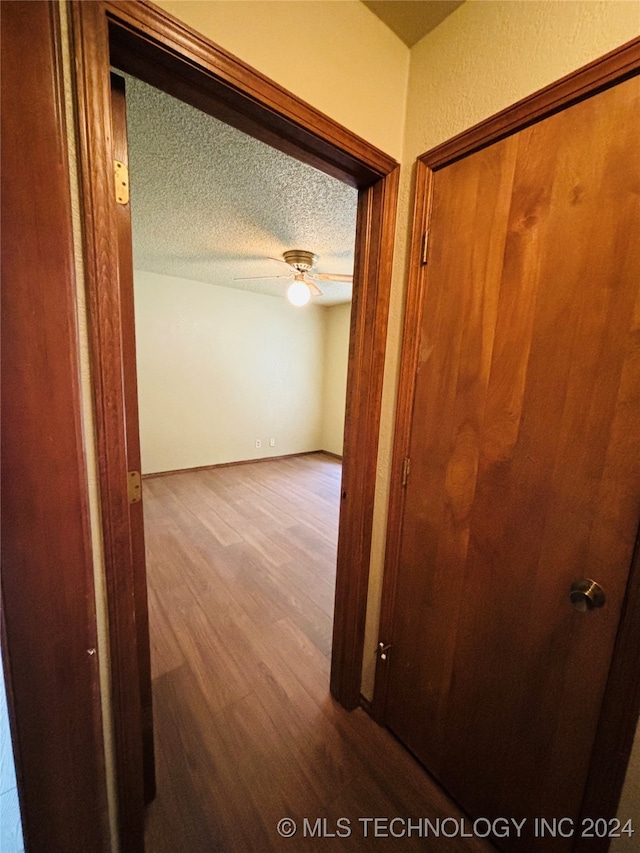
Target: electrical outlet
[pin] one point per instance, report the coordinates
(272, 442)
(258, 442)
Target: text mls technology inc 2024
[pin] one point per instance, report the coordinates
(454, 827)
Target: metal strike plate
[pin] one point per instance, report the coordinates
(121, 174)
(134, 487)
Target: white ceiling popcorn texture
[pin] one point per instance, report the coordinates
(211, 204)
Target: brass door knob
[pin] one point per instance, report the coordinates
(586, 595)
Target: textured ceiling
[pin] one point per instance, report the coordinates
(210, 203)
(410, 20)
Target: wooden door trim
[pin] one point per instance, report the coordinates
(47, 604)
(194, 69)
(367, 341)
(160, 49)
(404, 412)
(132, 431)
(101, 258)
(612, 68)
(621, 704)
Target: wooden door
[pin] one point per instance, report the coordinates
(524, 464)
(130, 385)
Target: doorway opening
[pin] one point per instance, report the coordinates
(152, 46)
(237, 535)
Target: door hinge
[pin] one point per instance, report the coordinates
(121, 175)
(406, 468)
(425, 248)
(134, 487)
(383, 650)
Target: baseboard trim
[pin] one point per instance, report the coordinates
(239, 462)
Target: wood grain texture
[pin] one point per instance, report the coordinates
(48, 605)
(618, 722)
(367, 341)
(524, 449)
(104, 302)
(247, 732)
(404, 407)
(130, 389)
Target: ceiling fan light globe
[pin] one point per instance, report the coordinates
(298, 294)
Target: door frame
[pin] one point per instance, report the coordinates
(48, 633)
(621, 704)
(149, 43)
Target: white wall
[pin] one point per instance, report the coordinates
(219, 368)
(334, 385)
(334, 54)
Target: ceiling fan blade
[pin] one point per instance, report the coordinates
(327, 276)
(261, 277)
(314, 290)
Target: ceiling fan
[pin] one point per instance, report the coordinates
(301, 265)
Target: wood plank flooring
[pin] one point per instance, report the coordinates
(241, 571)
